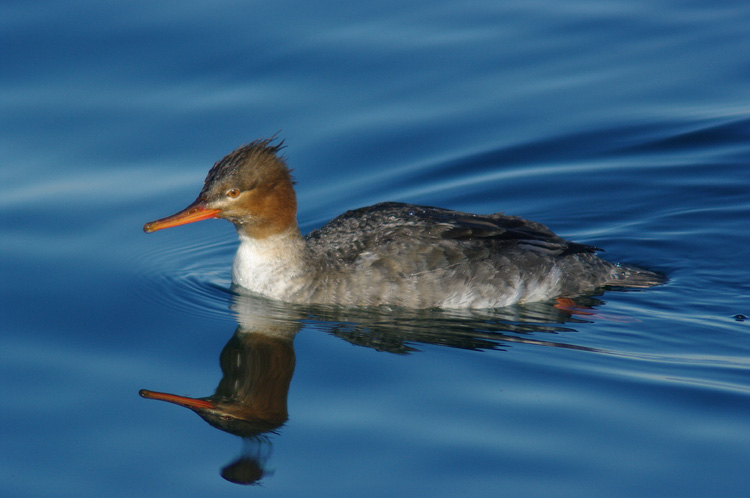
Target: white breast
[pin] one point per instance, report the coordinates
(272, 266)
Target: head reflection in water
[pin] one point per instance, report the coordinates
(251, 398)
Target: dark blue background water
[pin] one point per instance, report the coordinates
(619, 124)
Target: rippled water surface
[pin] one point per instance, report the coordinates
(625, 125)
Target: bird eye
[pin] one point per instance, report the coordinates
(232, 193)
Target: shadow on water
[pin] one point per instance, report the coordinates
(258, 361)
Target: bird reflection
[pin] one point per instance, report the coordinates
(403, 331)
(258, 361)
(251, 399)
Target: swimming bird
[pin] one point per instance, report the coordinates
(391, 253)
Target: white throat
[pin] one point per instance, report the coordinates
(271, 266)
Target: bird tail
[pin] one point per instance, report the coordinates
(635, 277)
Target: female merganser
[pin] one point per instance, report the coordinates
(390, 253)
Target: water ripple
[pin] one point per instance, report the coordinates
(194, 279)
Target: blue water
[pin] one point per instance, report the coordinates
(625, 125)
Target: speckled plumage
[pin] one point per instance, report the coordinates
(420, 257)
